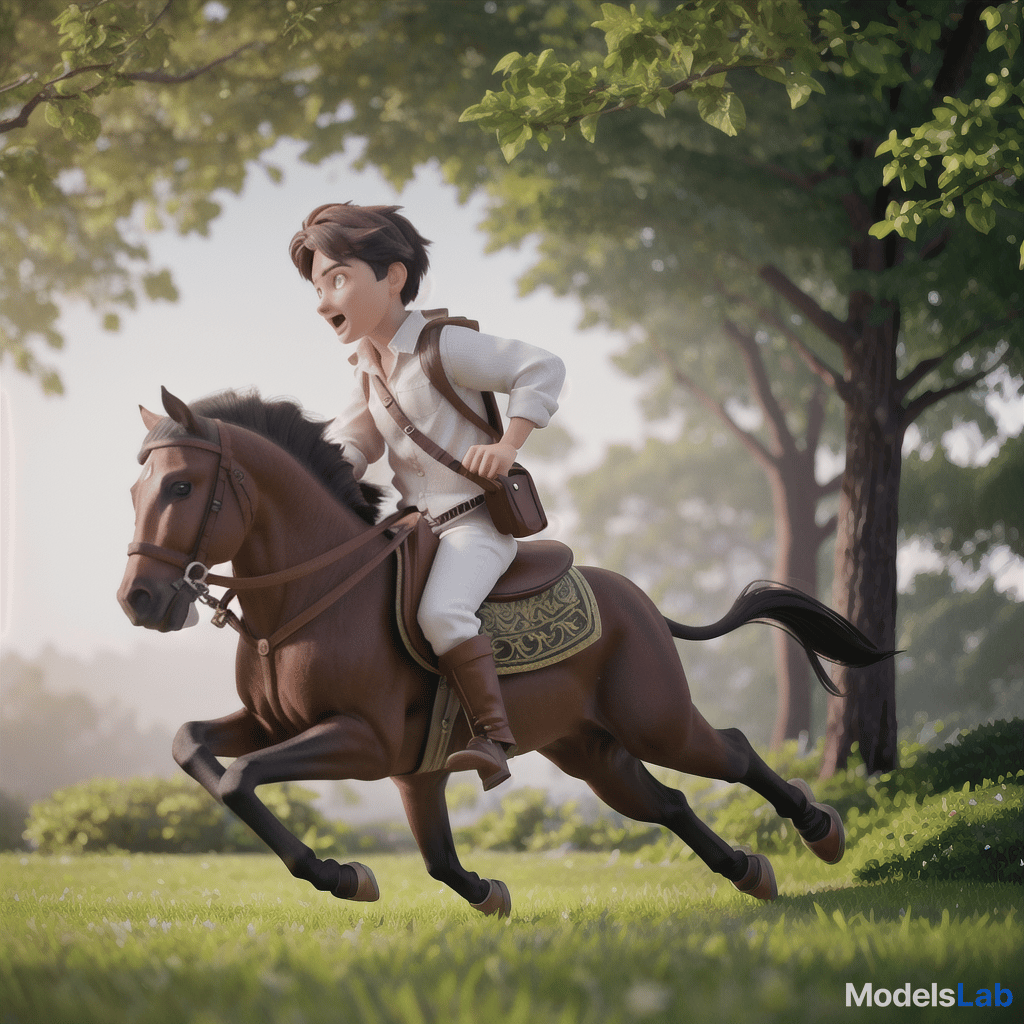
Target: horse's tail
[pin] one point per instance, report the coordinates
(819, 630)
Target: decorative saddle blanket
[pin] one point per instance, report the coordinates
(528, 632)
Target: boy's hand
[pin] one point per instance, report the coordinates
(490, 460)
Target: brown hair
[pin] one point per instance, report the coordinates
(377, 235)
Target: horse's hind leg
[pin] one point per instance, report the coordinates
(665, 728)
(427, 811)
(624, 784)
(820, 826)
(727, 754)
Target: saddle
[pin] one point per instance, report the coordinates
(538, 565)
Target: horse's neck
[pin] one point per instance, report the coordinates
(296, 517)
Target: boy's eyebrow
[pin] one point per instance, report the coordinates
(333, 266)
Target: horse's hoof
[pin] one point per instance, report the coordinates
(498, 901)
(831, 847)
(367, 890)
(759, 881)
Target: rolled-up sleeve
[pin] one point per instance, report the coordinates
(530, 376)
(356, 432)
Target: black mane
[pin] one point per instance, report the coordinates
(284, 422)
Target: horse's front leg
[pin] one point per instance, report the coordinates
(330, 750)
(427, 811)
(197, 745)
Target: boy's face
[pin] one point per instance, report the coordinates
(352, 300)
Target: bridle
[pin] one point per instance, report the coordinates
(197, 578)
(195, 572)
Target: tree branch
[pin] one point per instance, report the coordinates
(923, 368)
(833, 328)
(20, 120)
(756, 449)
(18, 82)
(677, 87)
(46, 94)
(163, 78)
(830, 377)
(761, 386)
(929, 398)
(816, 365)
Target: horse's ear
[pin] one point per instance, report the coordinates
(149, 418)
(180, 412)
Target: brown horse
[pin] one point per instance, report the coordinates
(329, 691)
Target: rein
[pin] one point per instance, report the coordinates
(197, 577)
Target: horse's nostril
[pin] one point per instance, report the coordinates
(139, 599)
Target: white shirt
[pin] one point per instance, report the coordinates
(474, 362)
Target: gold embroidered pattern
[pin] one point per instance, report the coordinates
(544, 629)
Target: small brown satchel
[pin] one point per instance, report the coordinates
(515, 507)
(512, 501)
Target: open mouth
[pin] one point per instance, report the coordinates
(338, 320)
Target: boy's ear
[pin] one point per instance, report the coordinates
(398, 274)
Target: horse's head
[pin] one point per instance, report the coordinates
(191, 512)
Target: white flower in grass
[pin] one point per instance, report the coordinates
(647, 997)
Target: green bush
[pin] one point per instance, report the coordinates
(164, 816)
(972, 834)
(985, 752)
(528, 821)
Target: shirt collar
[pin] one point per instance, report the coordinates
(403, 343)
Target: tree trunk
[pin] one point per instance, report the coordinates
(795, 495)
(865, 562)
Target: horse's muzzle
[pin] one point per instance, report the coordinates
(155, 604)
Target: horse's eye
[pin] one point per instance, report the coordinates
(181, 489)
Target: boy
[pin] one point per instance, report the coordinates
(367, 264)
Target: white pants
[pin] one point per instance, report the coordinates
(471, 557)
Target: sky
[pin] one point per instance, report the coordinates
(244, 317)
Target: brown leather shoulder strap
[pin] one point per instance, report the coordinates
(435, 451)
(429, 349)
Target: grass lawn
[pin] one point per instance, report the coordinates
(171, 939)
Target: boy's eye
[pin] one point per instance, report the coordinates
(339, 280)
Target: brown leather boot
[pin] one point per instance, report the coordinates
(469, 669)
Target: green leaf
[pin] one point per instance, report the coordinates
(160, 286)
(722, 110)
(82, 126)
(870, 57)
(980, 218)
(513, 140)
